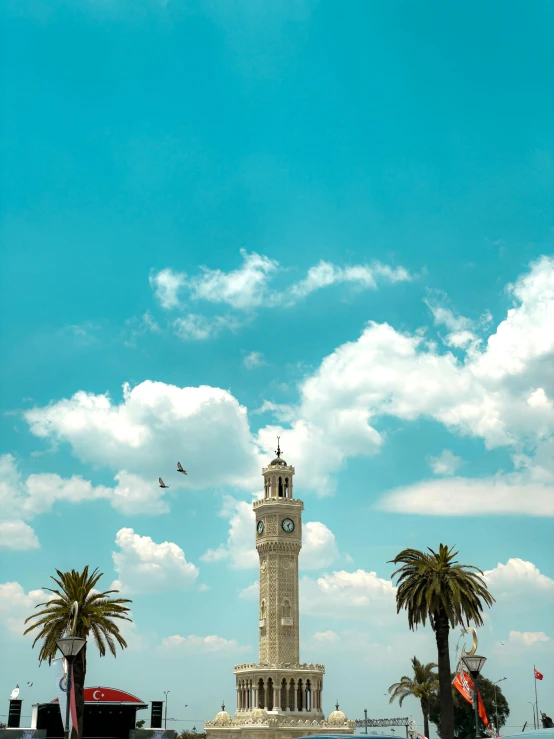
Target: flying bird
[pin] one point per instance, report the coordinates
(162, 483)
(15, 693)
(180, 469)
(30, 685)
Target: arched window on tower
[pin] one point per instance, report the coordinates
(262, 610)
(266, 487)
(269, 696)
(287, 610)
(261, 694)
(287, 491)
(283, 694)
(308, 695)
(280, 487)
(300, 696)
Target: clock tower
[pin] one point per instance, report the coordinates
(279, 694)
(278, 541)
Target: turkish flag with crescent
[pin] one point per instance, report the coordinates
(538, 675)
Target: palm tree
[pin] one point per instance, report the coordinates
(95, 616)
(435, 586)
(423, 686)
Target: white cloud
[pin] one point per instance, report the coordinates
(326, 636)
(166, 285)
(527, 638)
(178, 644)
(143, 566)
(250, 592)
(17, 535)
(445, 464)
(517, 577)
(194, 327)
(319, 547)
(240, 548)
(16, 605)
(40, 492)
(388, 373)
(151, 428)
(511, 495)
(253, 360)
(343, 594)
(248, 286)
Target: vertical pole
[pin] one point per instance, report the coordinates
(365, 717)
(68, 696)
(476, 703)
(165, 718)
(496, 709)
(536, 699)
(534, 719)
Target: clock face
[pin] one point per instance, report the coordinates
(288, 525)
(260, 527)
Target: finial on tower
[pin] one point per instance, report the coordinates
(337, 705)
(278, 450)
(223, 706)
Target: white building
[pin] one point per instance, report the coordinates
(278, 698)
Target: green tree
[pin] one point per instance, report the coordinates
(96, 615)
(140, 724)
(464, 713)
(423, 686)
(435, 586)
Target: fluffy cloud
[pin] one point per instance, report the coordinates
(143, 566)
(17, 535)
(319, 546)
(16, 605)
(248, 286)
(445, 464)
(527, 638)
(24, 499)
(501, 392)
(349, 595)
(167, 285)
(154, 426)
(518, 577)
(512, 494)
(194, 327)
(253, 360)
(178, 644)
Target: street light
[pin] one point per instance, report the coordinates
(165, 720)
(474, 664)
(69, 646)
(495, 703)
(534, 722)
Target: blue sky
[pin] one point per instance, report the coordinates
(223, 221)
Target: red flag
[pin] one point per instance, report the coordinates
(464, 684)
(481, 709)
(538, 675)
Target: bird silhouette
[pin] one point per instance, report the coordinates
(162, 483)
(180, 469)
(14, 693)
(30, 685)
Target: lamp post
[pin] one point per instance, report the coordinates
(495, 703)
(69, 646)
(165, 719)
(534, 721)
(474, 664)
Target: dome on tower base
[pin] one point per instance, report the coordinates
(337, 717)
(278, 462)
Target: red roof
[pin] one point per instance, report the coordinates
(108, 695)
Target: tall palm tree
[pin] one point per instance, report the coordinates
(423, 685)
(95, 616)
(435, 586)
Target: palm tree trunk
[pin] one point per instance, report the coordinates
(425, 711)
(442, 628)
(79, 674)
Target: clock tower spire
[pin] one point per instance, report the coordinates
(278, 541)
